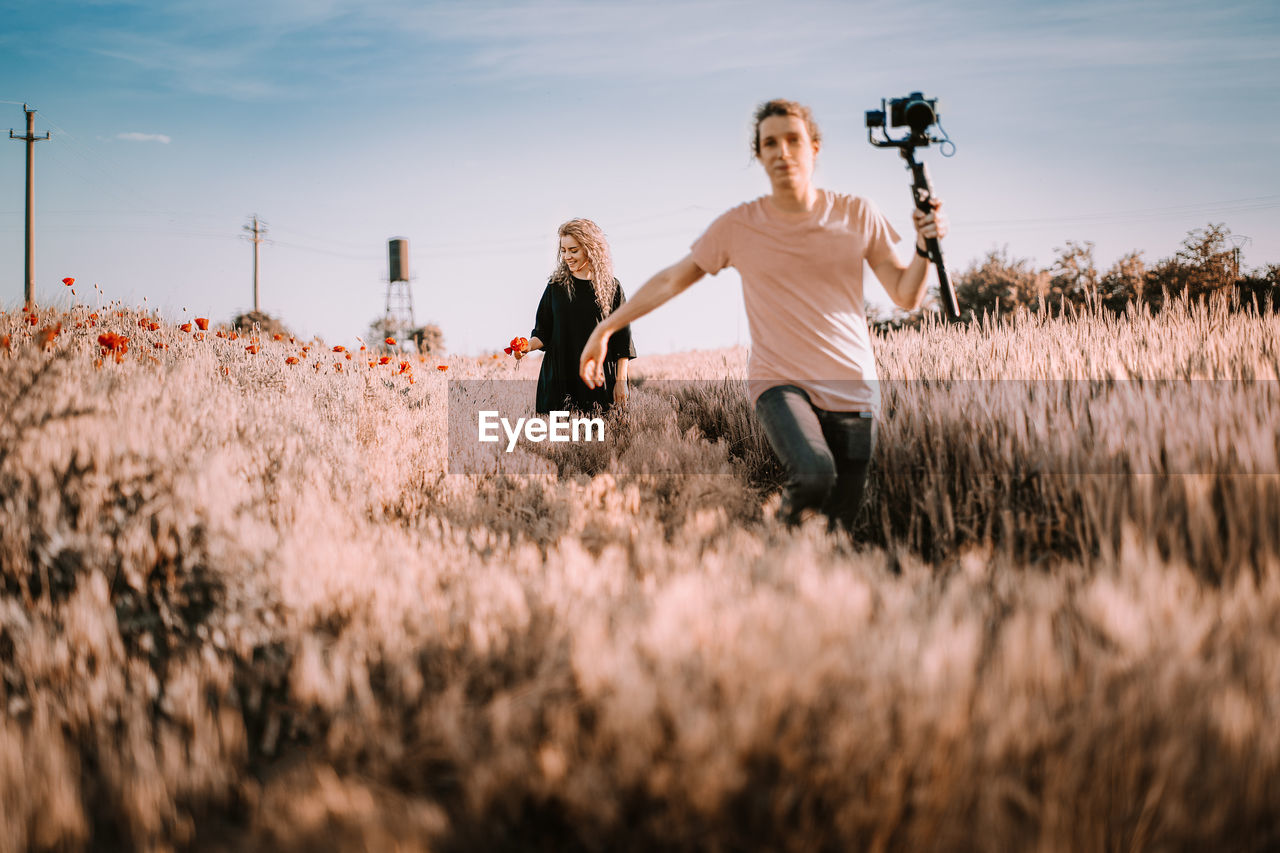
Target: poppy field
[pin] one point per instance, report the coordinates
(247, 602)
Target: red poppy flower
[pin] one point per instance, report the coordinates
(186, 327)
(202, 323)
(386, 359)
(115, 344)
(278, 336)
(46, 335)
(390, 342)
(252, 349)
(339, 348)
(442, 367)
(518, 344)
(291, 360)
(405, 367)
(68, 281)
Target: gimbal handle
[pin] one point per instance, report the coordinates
(923, 194)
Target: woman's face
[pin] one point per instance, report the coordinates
(574, 257)
(786, 151)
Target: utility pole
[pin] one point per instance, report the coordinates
(1238, 242)
(258, 230)
(31, 139)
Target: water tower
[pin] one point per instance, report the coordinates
(399, 317)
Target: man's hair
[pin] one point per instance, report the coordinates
(781, 107)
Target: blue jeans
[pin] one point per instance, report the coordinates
(825, 454)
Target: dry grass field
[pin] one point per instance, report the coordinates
(252, 605)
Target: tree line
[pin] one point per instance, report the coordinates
(1206, 266)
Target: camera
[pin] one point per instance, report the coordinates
(914, 111)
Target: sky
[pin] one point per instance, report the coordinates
(473, 129)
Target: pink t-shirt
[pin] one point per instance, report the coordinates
(802, 286)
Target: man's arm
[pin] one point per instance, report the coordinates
(665, 285)
(905, 284)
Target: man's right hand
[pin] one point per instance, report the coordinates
(591, 364)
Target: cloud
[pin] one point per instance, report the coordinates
(145, 137)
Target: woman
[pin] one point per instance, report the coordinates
(580, 294)
(800, 252)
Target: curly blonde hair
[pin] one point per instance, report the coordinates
(593, 242)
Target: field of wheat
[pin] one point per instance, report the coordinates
(260, 596)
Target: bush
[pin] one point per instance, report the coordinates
(429, 339)
(997, 285)
(1202, 267)
(262, 321)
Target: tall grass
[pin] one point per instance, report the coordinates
(245, 605)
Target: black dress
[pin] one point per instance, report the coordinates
(563, 324)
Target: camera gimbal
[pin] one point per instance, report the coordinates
(920, 115)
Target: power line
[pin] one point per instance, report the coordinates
(348, 255)
(1265, 202)
(101, 173)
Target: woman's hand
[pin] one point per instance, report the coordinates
(520, 347)
(931, 224)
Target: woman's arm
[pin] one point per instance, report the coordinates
(620, 386)
(906, 284)
(667, 284)
(534, 343)
(544, 322)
